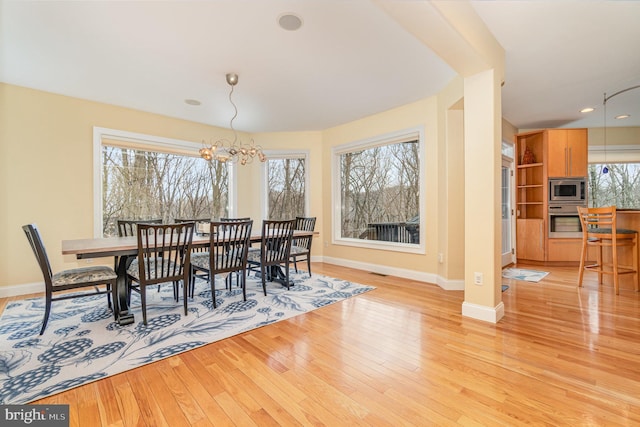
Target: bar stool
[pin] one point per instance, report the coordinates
(599, 230)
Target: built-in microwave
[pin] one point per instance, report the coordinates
(567, 190)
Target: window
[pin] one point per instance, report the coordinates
(286, 182)
(378, 187)
(157, 180)
(619, 187)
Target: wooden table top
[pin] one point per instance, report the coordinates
(117, 246)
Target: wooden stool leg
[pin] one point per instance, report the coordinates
(599, 265)
(635, 261)
(614, 261)
(583, 258)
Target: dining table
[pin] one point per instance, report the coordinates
(125, 249)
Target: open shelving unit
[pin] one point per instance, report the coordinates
(531, 196)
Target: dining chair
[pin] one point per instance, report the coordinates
(274, 252)
(235, 219)
(228, 219)
(227, 252)
(127, 227)
(76, 278)
(301, 246)
(599, 230)
(164, 254)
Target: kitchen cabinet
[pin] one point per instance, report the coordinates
(564, 249)
(540, 155)
(567, 152)
(530, 239)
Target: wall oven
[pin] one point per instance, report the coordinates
(564, 221)
(572, 190)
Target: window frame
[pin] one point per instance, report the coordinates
(133, 140)
(414, 133)
(284, 154)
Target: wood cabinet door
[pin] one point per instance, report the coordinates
(557, 153)
(530, 240)
(564, 250)
(578, 152)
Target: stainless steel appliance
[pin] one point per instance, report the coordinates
(572, 190)
(564, 221)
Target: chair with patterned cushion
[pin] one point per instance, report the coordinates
(201, 223)
(77, 278)
(223, 219)
(128, 228)
(301, 246)
(229, 243)
(164, 253)
(273, 256)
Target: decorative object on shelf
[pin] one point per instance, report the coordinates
(605, 169)
(234, 151)
(528, 157)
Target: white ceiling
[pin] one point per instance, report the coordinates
(348, 60)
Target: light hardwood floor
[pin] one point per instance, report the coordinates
(400, 355)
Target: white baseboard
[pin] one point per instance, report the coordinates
(24, 289)
(482, 312)
(449, 285)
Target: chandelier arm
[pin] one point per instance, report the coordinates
(235, 114)
(606, 98)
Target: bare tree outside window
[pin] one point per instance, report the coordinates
(138, 185)
(380, 193)
(619, 187)
(286, 188)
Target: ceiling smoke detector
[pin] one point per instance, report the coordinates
(289, 22)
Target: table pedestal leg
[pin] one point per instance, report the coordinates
(124, 316)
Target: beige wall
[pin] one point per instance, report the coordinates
(46, 172)
(421, 113)
(47, 176)
(615, 136)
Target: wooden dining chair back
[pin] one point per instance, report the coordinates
(235, 219)
(301, 246)
(229, 244)
(127, 227)
(77, 278)
(164, 254)
(600, 230)
(273, 256)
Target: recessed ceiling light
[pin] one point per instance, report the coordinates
(587, 110)
(289, 21)
(192, 102)
(623, 116)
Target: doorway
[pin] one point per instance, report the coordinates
(508, 224)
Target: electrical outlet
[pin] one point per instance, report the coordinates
(477, 278)
(440, 257)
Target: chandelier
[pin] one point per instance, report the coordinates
(234, 151)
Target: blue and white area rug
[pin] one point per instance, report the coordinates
(82, 343)
(524, 274)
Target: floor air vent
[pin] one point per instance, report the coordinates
(379, 274)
